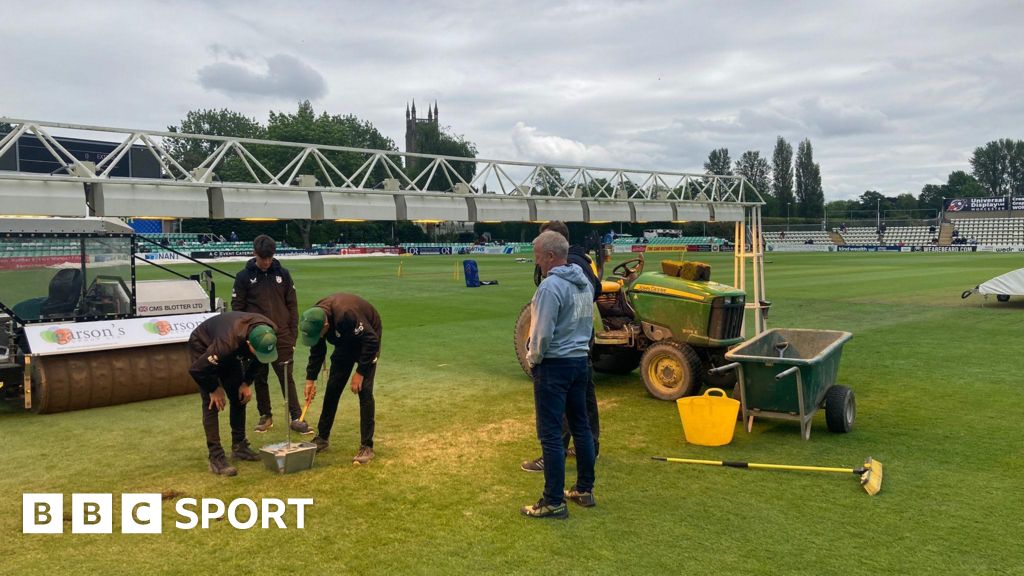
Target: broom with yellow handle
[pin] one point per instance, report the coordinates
(319, 381)
(870, 474)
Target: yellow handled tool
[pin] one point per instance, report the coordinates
(870, 474)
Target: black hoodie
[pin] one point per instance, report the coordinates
(221, 343)
(272, 294)
(355, 330)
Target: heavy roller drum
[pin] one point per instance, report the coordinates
(104, 378)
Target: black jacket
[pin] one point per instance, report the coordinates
(272, 294)
(578, 256)
(220, 343)
(353, 328)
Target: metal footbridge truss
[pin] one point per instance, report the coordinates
(202, 176)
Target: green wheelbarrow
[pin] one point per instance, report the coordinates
(788, 373)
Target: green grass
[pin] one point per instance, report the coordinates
(937, 380)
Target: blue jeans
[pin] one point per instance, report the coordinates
(560, 389)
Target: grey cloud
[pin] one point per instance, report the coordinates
(834, 118)
(220, 50)
(285, 76)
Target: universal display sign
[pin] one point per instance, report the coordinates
(983, 204)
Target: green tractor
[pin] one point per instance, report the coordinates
(675, 325)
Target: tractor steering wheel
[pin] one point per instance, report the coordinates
(629, 268)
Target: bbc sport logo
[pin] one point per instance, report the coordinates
(143, 513)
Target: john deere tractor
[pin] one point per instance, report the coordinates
(674, 324)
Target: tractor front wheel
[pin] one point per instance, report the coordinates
(521, 338)
(671, 370)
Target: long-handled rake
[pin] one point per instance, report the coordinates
(870, 474)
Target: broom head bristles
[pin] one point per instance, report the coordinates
(871, 479)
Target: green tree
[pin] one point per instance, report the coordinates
(434, 140)
(809, 195)
(5, 128)
(718, 162)
(757, 171)
(931, 196)
(905, 201)
(303, 126)
(874, 202)
(190, 153)
(782, 174)
(960, 184)
(547, 181)
(999, 166)
(840, 209)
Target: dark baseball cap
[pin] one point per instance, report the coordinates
(264, 343)
(311, 324)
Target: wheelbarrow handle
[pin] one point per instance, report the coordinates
(724, 368)
(785, 373)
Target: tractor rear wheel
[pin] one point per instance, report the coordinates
(521, 338)
(670, 370)
(615, 359)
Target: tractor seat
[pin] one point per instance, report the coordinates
(610, 286)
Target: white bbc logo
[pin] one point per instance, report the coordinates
(91, 514)
(143, 513)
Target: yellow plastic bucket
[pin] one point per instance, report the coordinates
(708, 420)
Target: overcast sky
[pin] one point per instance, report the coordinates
(893, 95)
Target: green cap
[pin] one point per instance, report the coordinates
(311, 324)
(264, 343)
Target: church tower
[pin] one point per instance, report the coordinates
(412, 125)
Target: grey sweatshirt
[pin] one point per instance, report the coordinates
(563, 315)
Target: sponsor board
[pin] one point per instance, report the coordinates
(1004, 248)
(490, 250)
(638, 248)
(983, 204)
(363, 250)
(801, 248)
(209, 254)
(620, 248)
(22, 262)
(954, 248)
(160, 256)
(680, 248)
(66, 338)
(430, 250)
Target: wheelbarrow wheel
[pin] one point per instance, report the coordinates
(1003, 297)
(671, 370)
(840, 409)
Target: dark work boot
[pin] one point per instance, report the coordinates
(266, 423)
(243, 452)
(364, 455)
(219, 466)
(321, 444)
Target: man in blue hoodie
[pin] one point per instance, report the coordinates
(577, 257)
(562, 312)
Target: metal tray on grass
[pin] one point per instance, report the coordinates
(288, 457)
